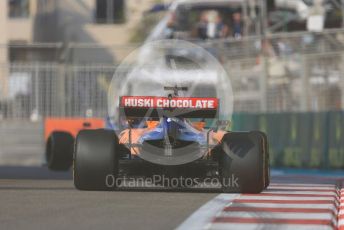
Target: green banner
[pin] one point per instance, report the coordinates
(299, 140)
(335, 148)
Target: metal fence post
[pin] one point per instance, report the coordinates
(264, 78)
(342, 81)
(263, 84)
(61, 91)
(37, 89)
(305, 84)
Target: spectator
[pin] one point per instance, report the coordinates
(221, 28)
(237, 25)
(202, 26)
(171, 27)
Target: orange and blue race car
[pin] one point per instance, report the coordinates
(168, 136)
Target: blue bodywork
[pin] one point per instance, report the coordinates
(176, 127)
(179, 128)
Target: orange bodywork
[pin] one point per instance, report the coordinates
(71, 125)
(75, 125)
(214, 137)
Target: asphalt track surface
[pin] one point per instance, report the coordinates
(34, 198)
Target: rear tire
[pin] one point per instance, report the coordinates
(243, 162)
(96, 160)
(267, 158)
(59, 151)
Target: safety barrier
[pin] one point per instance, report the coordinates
(300, 140)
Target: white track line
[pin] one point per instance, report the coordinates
(285, 198)
(303, 188)
(281, 191)
(293, 185)
(204, 215)
(251, 211)
(341, 212)
(267, 205)
(236, 226)
(279, 215)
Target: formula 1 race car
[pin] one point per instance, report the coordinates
(162, 138)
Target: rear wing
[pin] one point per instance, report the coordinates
(155, 107)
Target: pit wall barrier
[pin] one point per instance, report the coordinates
(299, 140)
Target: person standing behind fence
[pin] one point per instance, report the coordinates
(222, 29)
(171, 27)
(211, 29)
(202, 26)
(237, 25)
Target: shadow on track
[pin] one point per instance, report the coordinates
(43, 173)
(32, 173)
